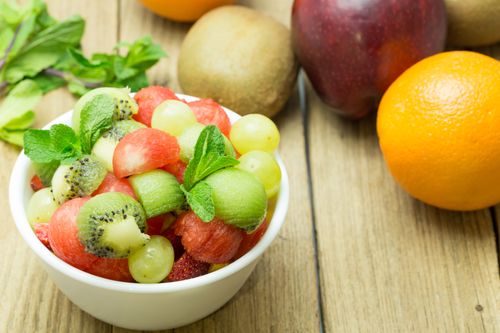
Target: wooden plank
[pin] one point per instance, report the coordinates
(280, 296)
(30, 301)
(390, 263)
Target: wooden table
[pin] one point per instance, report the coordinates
(356, 254)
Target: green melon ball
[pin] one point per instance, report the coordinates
(239, 198)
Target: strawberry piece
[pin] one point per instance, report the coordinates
(187, 268)
(113, 184)
(176, 169)
(249, 240)
(143, 150)
(113, 269)
(42, 233)
(63, 235)
(214, 242)
(209, 112)
(148, 99)
(36, 183)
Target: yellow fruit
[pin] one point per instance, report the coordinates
(439, 130)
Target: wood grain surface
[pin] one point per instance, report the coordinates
(387, 263)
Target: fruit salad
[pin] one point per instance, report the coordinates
(152, 188)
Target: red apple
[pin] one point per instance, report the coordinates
(352, 50)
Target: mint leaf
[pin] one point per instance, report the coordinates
(21, 99)
(208, 157)
(200, 200)
(64, 141)
(38, 146)
(45, 48)
(96, 118)
(12, 136)
(60, 143)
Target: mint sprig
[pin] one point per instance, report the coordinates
(208, 157)
(96, 118)
(60, 144)
(38, 50)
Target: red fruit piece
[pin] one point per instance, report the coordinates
(113, 184)
(214, 242)
(113, 269)
(187, 268)
(148, 99)
(158, 224)
(63, 235)
(176, 169)
(42, 233)
(249, 240)
(209, 112)
(64, 241)
(143, 150)
(36, 183)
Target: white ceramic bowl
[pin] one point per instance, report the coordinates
(133, 305)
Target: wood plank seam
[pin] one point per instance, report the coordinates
(304, 108)
(496, 233)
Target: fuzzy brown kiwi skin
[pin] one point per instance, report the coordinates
(473, 22)
(254, 74)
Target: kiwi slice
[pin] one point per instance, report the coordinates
(239, 198)
(187, 142)
(158, 191)
(104, 148)
(111, 225)
(79, 179)
(125, 106)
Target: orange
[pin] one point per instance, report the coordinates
(183, 10)
(439, 130)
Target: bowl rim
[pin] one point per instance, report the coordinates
(18, 204)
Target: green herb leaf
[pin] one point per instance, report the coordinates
(200, 200)
(45, 48)
(15, 112)
(208, 157)
(65, 141)
(38, 146)
(15, 137)
(96, 118)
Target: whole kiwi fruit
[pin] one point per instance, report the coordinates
(473, 22)
(241, 58)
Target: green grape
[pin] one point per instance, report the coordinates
(41, 206)
(173, 117)
(187, 142)
(152, 262)
(264, 166)
(254, 132)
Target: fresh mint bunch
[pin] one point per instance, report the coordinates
(209, 157)
(61, 145)
(36, 47)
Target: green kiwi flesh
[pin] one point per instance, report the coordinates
(239, 198)
(111, 225)
(158, 191)
(104, 148)
(125, 106)
(78, 179)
